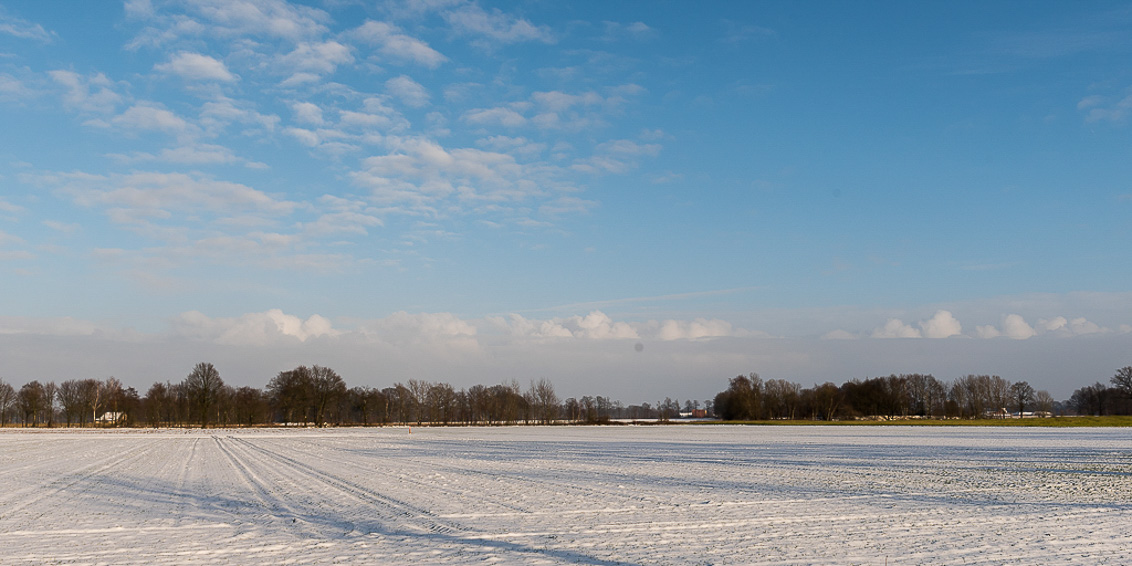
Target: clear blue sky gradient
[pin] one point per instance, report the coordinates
(490, 173)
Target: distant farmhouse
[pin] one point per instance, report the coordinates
(111, 417)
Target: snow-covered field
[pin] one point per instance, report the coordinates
(609, 495)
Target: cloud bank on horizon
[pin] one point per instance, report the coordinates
(462, 178)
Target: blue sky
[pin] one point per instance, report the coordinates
(475, 192)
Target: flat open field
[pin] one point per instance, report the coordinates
(577, 495)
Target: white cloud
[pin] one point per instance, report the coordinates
(193, 154)
(23, 29)
(12, 88)
(227, 19)
(218, 114)
(895, 328)
(252, 329)
(599, 326)
(343, 216)
(421, 173)
(94, 93)
(941, 325)
(6, 206)
(1101, 109)
(1059, 325)
(196, 67)
(1016, 327)
(64, 227)
(308, 112)
(151, 116)
(616, 156)
(496, 26)
(495, 116)
(693, 330)
(310, 61)
(152, 192)
(395, 44)
(594, 326)
(637, 31)
(410, 92)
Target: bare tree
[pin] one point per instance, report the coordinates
(1044, 401)
(291, 393)
(93, 397)
(1021, 395)
(1123, 380)
(7, 401)
(203, 386)
(327, 388)
(545, 401)
(31, 401)
(50, 394)
(72, 400)
(418, 390)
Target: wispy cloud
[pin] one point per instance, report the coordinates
(23, 29)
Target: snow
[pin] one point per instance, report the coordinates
(567, 495)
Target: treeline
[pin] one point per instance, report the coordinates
(306, 396)
(748, 397)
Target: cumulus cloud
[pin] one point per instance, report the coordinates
(421, 173)
(308, 62)
(150, 116)
(392, 42)
(196, 67)
(227, 19)
(941, 325)
(1016, 327)
(1076, 327)
(594, 326)
(599, 326)
(494, 26)
(895, 328)
(408, 91)
(308, 112)
(252, 329)
(91, 93)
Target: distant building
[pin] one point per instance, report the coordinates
(111, 417)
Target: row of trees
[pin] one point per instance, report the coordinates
(318, 396)
(748, 397)
(303, 396)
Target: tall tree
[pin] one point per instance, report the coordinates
(203, 386)
(93, 397)
(545, 401)
(1123, 380)
(1022, 396)
(327, 388)
(71, 399)
(7, 401)
(291, 393)
(31, 401)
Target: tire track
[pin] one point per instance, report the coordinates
(421, 518)
(72, 483)
(274, 506)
